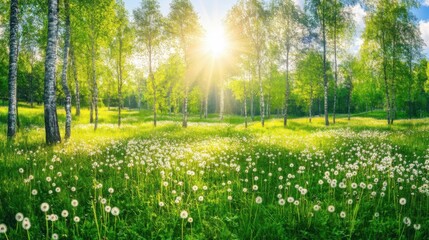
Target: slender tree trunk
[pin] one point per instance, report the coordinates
(13, 70)
(222, 101)
(91, 109)
(252, 100)
(185, 107)
(335, 70)
(310, 108)
(386, 84)
(287, 90)
(206, 102)
(94, 86)
(140, 89)
(348, 104)
(76, 80)
(51, 120)
(31, 84)
(245, 104)
(261, 92)
(169, 100)
(201, 107)
(325, 75)
(109, 99)
(152, 78)
(410, 65)
(120, 100)
(64, 71)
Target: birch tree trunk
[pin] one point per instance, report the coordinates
(325, 75)
(252, 100)
(51, 120)
(287, 90)
(335, 70)
(64, 71)
(152, 78)
(94, 85)
(120, 100)
(310, 107)
(76, 80)
(261, 93)
(13, 70)
(245, 105)
(222, 101)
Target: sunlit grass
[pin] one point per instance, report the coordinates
(217, 171)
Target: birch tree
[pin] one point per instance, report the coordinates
(51, 120)
(13, 69)
(149, 24)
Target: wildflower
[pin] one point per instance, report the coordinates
(402, 201)
(115, 211)
(331, 208)
(258, 200)
(111, 190)
(26, 224)
(255, 187)
(3, 228)
(282, 202)
(342, 214)
(190, 220)
(161, 204)
(316, 207)
(194, 188)
(64, 213)
(44, 207)
(296, 203)
(103, 201)
(19, 217)
(184, 214)
(34, 192)
(229, 198)
(290, 199)
(76, 219)
(407, 221)
(417, 226)
(74, 203)
(376, 214)
(107, 209)
(200, 198)
(55, 236)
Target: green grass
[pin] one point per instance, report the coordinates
(216, 171)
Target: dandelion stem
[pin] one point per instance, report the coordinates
(95, 219)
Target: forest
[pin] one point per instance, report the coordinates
(151, 122)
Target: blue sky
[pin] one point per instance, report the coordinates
(212, 12)
(209, 11)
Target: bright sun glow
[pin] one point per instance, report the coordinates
(216, 42)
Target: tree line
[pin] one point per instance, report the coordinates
(280, 59)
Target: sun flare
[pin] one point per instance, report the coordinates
(215, 41)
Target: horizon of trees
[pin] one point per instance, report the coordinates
(281, 60)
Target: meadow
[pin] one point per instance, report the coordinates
(357, 179)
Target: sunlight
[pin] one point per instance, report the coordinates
(215, 41)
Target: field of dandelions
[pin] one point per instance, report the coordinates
(216, 180)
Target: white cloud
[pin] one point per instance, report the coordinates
(424, 30)
(426, 3)
(301, 3)
(358, 15)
